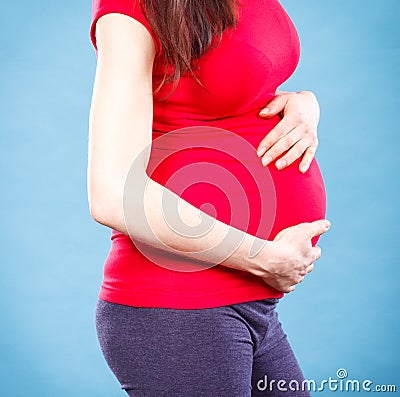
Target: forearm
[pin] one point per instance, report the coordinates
(153, 215)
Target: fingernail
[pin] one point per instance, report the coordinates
(280, 164)
(328, 224)
(303, 169)
(266, 160)
(265, 111)
(261, 151)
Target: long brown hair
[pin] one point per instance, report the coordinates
(186, 29)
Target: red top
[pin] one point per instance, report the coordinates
(224, 177)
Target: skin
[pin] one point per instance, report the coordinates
(120, 133)
(296, 132)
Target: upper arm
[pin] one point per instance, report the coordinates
(121, 113)
(131, 8)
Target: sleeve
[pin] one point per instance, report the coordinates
(126, 7)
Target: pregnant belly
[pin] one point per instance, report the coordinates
(218, 171)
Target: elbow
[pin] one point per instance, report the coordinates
(110, 213)
(107, 210)
(106, 206)
(98, 213)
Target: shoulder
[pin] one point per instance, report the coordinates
(119, 19)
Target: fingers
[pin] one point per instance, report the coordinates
(319, 227)
(295, 151)
(310, 268)
(300, 112)
(316, 253)
(314, 256)
(264, 149)
(295, 141)
(275, 106)
(307, 158)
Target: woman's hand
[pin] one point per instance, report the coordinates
(295, 133)
(286, 260)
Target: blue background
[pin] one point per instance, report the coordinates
(345, 315)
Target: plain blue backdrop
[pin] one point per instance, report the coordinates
(345, 315)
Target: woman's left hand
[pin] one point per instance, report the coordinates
(296, 133)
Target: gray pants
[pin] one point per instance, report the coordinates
(237, 350)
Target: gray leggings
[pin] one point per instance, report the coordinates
(237, 350)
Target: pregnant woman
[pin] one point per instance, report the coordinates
(215, 207)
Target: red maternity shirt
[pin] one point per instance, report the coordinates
(204, 150)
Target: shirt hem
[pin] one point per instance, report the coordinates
(152, 299)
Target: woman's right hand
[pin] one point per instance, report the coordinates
(285, 261)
